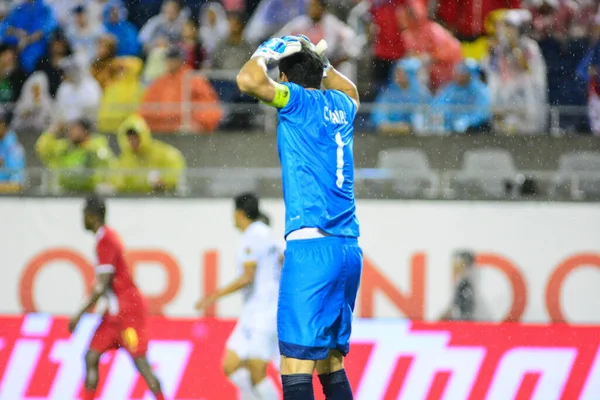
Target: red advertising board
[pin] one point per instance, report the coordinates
(389, 359)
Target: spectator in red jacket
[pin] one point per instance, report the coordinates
(430, 42)
(466, 18)
(388, 46)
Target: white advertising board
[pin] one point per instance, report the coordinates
(536, 262)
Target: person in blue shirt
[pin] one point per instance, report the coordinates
(29, 26)
(12, 156)
(404, 91)
(464, 104)
(115, 22)
(323, 261)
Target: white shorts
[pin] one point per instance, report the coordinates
(252, 339)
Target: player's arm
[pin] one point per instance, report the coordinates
(335, 80)
(101, 285)
(332, 78)
(245, 279)
(254, 81)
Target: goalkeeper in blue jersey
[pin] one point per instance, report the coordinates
(323, 262)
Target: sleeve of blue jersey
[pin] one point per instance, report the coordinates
(294, 103)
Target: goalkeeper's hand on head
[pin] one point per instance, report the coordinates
(320, 49)
(275, 49)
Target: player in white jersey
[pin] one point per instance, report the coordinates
(253, 342)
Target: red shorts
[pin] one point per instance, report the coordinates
(114, 333)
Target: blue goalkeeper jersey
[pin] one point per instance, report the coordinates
(315, 140)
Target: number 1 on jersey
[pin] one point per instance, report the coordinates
(340, 160)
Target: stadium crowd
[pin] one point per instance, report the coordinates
(72, 68)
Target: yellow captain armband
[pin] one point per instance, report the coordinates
(282, 96)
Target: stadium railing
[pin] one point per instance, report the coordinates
(554, 115)
(374, 183)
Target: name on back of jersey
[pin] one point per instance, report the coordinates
(335, 116)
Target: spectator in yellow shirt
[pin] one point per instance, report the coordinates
(147, 165)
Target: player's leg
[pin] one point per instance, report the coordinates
(135, 340)
(234, 367)
(106, 337)
(332, 374)
(235, 370)
(145, 370)
(263, 387)
(92, 360)
(259, 355)
(310, 299)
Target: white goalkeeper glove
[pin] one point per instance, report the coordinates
(275, 49)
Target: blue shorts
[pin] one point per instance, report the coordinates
(317, 292)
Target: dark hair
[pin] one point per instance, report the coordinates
(264, 218)
(192, 22)
(7, 47)
(466, 257)
(304, 68)
(248, 203)
(6, 115)
(85, 123)
(96, 206)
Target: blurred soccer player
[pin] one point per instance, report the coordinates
(124, 323)
(323, 262)
(253, 342)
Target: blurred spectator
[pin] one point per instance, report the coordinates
(58, 50)
(551, 18)
(466, 18)
(516, 73)
(192, 45)
(83, 36)
(162, 162)
(582, 22)
(97, 10)
(76, 157)
(388, 45)
(156, 62)
(429, 41)
(34, 111)
(122, 94)
(161, 104)
(115, 22)
(319, 24)
(463, 303)
(106, 66)
(28, 26)
(270, 16)
(12, 76)
(165, 26)
(214, 26)
(479, 48)
(63, 10)
(588, 70)
(234, 51)
(463, 106)
(397, 108)
(79, 94)
(12, 157)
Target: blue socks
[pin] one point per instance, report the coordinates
(297, 387)
(336, 386)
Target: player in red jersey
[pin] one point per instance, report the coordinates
(124, 323)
